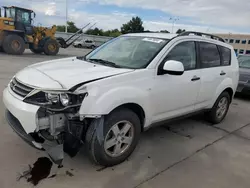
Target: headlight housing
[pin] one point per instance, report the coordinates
(56, 100)
(64, 98)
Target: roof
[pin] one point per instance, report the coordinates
(154, 35)
(19, 8)
(193, 34)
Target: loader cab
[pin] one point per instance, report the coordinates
(22, 18)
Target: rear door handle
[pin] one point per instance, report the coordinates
(195, 78)
(222, 73)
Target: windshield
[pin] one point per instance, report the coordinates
(23, 16)
(244, 61)
(128, 51)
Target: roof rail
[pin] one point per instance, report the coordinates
(186, 33)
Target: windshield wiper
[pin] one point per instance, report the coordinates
(81, 57)
(105, 62)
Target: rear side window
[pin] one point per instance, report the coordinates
(225, 55)
(209, 55)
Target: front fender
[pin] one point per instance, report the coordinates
(106, 102)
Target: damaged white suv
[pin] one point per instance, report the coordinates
(104, 100)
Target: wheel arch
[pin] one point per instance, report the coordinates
(137, 109)
(226, 85)
(230, 92)
(42, 42)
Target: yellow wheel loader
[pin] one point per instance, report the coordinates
(17, 33)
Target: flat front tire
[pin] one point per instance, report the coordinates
(220, 109)
(121, 132)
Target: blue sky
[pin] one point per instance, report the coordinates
(215, 16)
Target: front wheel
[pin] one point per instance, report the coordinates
(51, 47)
(121, 132)
(220, 108)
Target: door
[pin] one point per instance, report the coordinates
(214, 61)
(175, 95)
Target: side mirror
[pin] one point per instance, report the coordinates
(173, 67)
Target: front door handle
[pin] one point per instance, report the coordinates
(195, 78)
(222, 73)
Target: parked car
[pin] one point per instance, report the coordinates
(105, 99)
(244, 80)
(85, 44)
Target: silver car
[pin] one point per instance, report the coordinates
(244, 80)
(85, 44)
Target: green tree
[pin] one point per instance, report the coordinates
(100, 32)
(133, 26)
(179, 31)
(71, 27)
(95, 31)
(112, 33)
(60, 28)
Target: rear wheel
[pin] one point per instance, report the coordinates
(51, 47)
(1, 49)
(13, 44)
(220, 108)
(121, 132)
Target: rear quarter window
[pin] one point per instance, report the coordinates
(225, 56)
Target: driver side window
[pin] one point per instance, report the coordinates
(185, 53)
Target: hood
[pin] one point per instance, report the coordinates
(65, 73)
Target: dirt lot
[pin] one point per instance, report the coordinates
(190, 153)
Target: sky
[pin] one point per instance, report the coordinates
(212, 16)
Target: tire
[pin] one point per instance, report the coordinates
(213, 115)
(1, 49)
(51, 47)
(92, 47)
(98, 152)
(13, 44)
(79, 46)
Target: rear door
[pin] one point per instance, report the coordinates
(214, 63)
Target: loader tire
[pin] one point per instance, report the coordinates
(14, 44)
(51, 47)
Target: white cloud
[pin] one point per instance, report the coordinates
(51, 10)
(216, 12)
(203, 15)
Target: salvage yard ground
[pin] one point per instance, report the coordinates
(190, 153)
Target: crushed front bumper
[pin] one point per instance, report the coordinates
(18, 128)
(24, 112)
(23, 118)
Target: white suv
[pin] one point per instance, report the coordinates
(104, 100)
